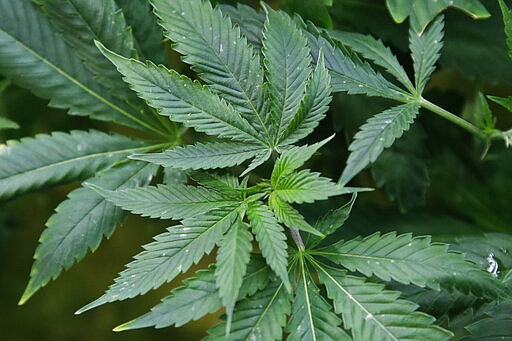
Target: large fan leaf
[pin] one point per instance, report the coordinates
(373, 313)
(217, 51)
(425, 52)
(35, 57)
(313, 106)
(232, 258)
(250, 21)
(46, 160)
(374, 49)
(412, 260)
(172, 201)
(258, 317)
(287, 60)
(198, 297)
(312, 318)
(379, 132)
(306, 186)
(80, 223)
(204, 155)
(171, 253)
(183, 100)
(271, 239)
(353, 76)
(147, 34)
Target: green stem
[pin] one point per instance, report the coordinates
(453, 118)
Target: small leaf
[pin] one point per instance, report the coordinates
(46, 160)
(80, 223)
(171, 253)
(331, 221)
(505, 102)
(259, 317)
(172, 201)
(204, 155)
(425, 52)
(232, 259)
(379, 132)
(372, 313)
(306, 186)
(289, 216)
(293, 158)
(271, 239)
(507, 21)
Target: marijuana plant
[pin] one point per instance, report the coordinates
(264, 83)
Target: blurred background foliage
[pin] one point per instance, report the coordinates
(436, 180)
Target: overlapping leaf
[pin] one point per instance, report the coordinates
(204, 155)
(377, 133)
(312, 317)
(289, 216)
(287, 60)
(313, 106)
(271, 239)
(171, 253)
(34, 56)
(372, 313)
(45, 160)
(183, 100)
(216, 50)
(258, 317)
(412, 260)
(250, 21)
(232, 259)
(80, 223)
(172, 201)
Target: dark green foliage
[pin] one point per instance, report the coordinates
(256, 82)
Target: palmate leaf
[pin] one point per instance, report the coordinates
(204, 155)
(198, 297)
(374, 49)
(34, 56)
(80, 223)
(183, 100)
(422, 12)
(293, 158)
(425, 52)
(289, 216)
(353, 76)
(313, 106)
(258, 317)
(312, 317)
(171, 253)
(372, 313)
(216, 50)
(233, 256)
(172, 201)
(147, 34)
(412, 260)
(306, 186)
(287, 60)
(271, 239)
(45, 160)
(379, 132)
